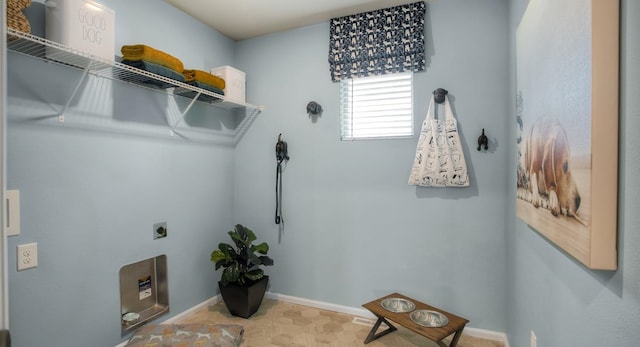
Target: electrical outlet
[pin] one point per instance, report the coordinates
(27, 256)
(534, 339)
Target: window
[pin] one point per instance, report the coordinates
(377, 107)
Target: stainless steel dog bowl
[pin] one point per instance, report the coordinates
(130, 318)
(428, 318)
(398, 305)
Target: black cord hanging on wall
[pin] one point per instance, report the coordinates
(282, 154)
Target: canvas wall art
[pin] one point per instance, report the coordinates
(567, 121)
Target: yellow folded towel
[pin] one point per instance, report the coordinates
(152, 55)
(203, 77)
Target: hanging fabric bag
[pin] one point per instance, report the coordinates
(439, 160)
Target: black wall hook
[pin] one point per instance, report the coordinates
(314, 108)
(483, 140)
(439, 95)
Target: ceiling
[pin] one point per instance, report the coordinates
(244, 19)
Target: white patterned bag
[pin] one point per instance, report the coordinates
(439, 158)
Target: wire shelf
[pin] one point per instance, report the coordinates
(50, 51)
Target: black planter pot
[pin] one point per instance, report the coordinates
(244, 301)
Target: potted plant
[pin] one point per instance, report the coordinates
(243, 282)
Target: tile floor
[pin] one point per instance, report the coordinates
(284, 324)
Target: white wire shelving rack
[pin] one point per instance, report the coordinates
(43, 49)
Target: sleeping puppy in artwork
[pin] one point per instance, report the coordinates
(546, 161)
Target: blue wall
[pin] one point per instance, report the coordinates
(563, 302)
(354, 229)
(92, 187)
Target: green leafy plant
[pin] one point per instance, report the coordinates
(241, 263)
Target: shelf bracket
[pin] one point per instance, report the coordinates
(75, 91)
(246, 122)
(173, 127)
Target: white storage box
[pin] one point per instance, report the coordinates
(235, 82)
(83, 25)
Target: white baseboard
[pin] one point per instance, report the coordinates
(206, 303)
(354, 311)
(487, 335)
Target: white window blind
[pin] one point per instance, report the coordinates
(377, 106)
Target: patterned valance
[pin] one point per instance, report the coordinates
(378, 42)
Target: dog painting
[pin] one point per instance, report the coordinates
(547, 156)
(564, 141)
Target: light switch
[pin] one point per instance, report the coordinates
(13, 212)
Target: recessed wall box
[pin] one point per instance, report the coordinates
(144, 292)
(160, 230)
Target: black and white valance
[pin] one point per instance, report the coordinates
(378, 42)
